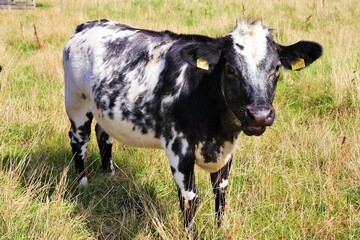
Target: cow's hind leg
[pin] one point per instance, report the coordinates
(219, 182)
(105, 143)
(79, 137)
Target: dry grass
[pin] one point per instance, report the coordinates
(28, 210)
(300, 180)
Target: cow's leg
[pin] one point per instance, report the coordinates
(219, 182)
(188, 197)
(105, 143)
(182, 168)
(79, 137)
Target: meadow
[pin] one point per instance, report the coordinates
(300, 180)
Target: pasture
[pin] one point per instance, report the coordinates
(300, 180)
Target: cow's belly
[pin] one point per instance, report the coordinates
(126, 132)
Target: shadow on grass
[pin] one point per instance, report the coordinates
(118, 207)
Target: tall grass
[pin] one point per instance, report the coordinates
(32, 208)
(300, 180)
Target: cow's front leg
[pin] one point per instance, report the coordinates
(188, 197)
(182, 168)
(219, 182)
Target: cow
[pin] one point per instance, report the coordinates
(190, 95)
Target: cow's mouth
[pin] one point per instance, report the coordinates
(252, 130)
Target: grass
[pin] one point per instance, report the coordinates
(300, 180)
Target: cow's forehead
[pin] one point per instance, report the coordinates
(250, 40)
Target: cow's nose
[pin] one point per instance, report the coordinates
(260, 115)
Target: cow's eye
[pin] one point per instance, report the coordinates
(230, 70)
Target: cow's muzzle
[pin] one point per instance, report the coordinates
(257, 118)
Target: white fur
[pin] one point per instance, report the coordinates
(83, 183)
(188, 196)
(253, 38)
(112, 173)
(223, 184)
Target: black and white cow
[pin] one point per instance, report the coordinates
(190, 95)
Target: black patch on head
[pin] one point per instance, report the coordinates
(83, 96)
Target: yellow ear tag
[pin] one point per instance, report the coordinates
(202, 64)
(297, 64)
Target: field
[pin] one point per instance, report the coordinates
(300, 180)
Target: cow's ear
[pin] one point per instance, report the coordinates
(300, 54)
(202, 56)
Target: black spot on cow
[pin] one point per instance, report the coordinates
(241, 47)
(67, 53)
(148, 122)
(84, 130)
(144, 130)
(176, 146)
(210, 151)
(73, 126)
(124, 111)
(140, 98)
(90, 24)
(112, 98)
(111, 115)
(114, 48)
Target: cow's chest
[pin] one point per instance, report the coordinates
(212, 156)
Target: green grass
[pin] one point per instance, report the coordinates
(300, 180)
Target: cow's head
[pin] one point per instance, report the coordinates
(248, 65)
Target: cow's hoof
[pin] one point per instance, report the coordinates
(83, 183)
(191, 233)
(112, 169)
